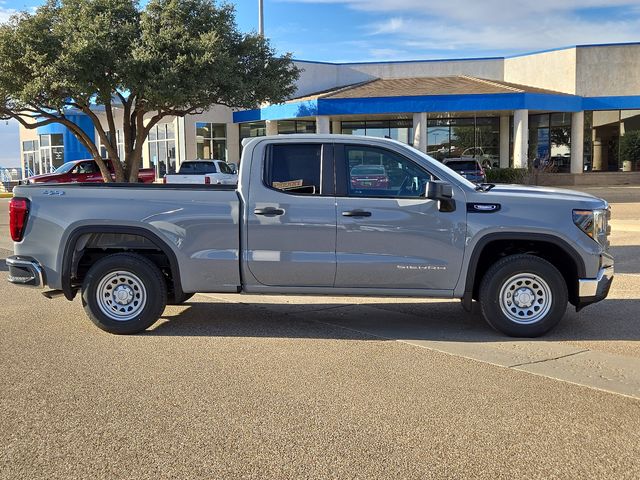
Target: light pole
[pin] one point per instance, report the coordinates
(261, 17)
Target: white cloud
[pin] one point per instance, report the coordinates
(505, 26)
(6, 13)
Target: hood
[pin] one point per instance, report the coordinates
(548, 193)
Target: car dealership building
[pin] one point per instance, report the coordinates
(572, 111)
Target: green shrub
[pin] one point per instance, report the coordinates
(507, 175)
(630, 146)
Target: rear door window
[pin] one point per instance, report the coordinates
(294, 168)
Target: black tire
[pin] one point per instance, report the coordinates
(537, 292)
(132, 275)
(179, 300)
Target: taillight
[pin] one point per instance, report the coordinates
(164, 179)
(207, 180)
(18, 214)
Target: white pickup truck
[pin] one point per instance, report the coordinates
(204, 172)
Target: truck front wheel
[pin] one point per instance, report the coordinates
(523, 296)
(124, 293)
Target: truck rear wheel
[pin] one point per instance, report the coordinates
(523, 296)
(124, 293)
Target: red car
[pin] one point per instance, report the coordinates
(369, 176)
(84, 171)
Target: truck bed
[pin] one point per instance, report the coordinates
(200, 224)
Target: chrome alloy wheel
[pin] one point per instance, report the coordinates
(121, 295)
(525, 298)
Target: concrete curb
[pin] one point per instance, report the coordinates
(6, 195)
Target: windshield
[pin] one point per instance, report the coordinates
(65, 167)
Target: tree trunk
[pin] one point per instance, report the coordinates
(106, 174)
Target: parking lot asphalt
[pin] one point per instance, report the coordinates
(321, 387)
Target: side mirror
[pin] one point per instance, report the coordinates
(438, 190)
(234, 168)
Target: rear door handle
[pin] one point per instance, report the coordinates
(356, 213)
(269, 211)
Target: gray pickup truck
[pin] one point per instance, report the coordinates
(321, 215)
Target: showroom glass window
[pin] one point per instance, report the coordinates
(550, 142)
(119, 145)
(474, 137)
(51, 152)
(211, 141)
(252, 130)
(296, 126)
(401, 130)
(613, 141)
(162, 149)
(31, 157)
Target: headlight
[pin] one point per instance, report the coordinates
(594, 223)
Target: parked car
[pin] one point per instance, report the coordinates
(84, 171)
(214, 172)
(292, 226)
(468, 168)
(369, 177)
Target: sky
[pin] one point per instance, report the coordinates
(378, 30)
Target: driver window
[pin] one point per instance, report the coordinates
(86, 167)
(375, 172)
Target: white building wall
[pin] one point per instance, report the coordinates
(554, 70)
(316, 77)
(492, 69)
(608, 70)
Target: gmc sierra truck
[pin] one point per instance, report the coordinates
(297, 223)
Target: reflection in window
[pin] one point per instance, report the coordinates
(162, 149)
(296, 126)
(211, 141)
(477, 137)
(51, 152)
(613, 138)
(119, 144)
(375, 172)
(401, 130)
(550, 142)
(630, 140)
(251, 130)
(31, 158)
(294, 168)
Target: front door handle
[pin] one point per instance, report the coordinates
(356, 213)
(269, 211)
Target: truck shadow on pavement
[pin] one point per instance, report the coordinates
(616, 319)
(627, 258)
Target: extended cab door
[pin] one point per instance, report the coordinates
(291, 215)
(389, 235)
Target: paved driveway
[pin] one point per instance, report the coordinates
(321, 387)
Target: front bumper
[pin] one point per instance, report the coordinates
(25, 271)
(592, 290)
